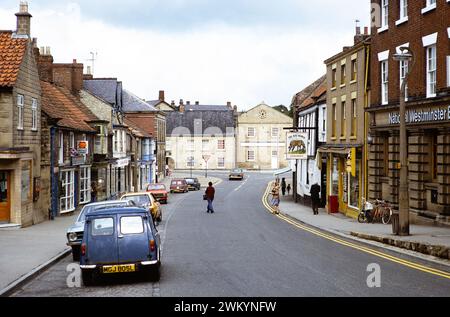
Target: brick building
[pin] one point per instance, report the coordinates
(423, 26)
(20, 127)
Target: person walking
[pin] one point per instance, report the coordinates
(210, 193)
(289, 189)
(283, 186)
(315, 197)
(276, 198)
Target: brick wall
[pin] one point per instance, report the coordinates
(412, 31)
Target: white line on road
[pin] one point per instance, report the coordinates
(240, 186)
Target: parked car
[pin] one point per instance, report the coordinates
(236, 173)
(159, 191)
(193, 183)
(121, 240)
(75, 232)
(179, 186)
(147, 201)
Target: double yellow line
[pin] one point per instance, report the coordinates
(330, 237)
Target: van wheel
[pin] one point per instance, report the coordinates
(88, 278)
(76, 254)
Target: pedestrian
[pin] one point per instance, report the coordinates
(210, 193)
(289, 189)
(94, 192)
(276, 198)
(315, 197)
(283, 186)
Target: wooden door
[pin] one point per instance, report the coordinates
(5, 199)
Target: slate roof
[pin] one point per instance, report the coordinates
(153, 102)
(132, 103)
(194, 107)
(217, 119)
(59, 103)
(12, 51)
(107, 89)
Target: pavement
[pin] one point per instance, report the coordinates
(26, 252)
(429, 240)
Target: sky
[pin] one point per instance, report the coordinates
(212, 51)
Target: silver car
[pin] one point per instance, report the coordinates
(75, 232)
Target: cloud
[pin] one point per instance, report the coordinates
(214, 61)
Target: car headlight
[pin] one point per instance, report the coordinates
(73, 236)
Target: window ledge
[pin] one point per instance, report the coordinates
(342, 86)
(343, 138)
(333, 88)
(353, 138)
(383, 29)
(429, 8)
(401, 21)
(333, 138)
(353, 81)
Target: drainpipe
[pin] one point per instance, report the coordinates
(53, 180)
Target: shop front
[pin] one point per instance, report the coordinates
(428, 147)
(344, 187)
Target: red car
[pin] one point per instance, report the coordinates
(159, 191)
(179, 186)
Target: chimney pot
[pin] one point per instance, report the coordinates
(172, 103)
(23, 7)
(197, 103)
(358, 30)
(74, 61)
(366, 30)
(181, 102)
(188, 103)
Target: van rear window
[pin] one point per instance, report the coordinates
(131, 225)
(103, 227)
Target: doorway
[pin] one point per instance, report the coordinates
(275, 160)
(5, 199)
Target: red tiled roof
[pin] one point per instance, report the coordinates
(317, 95)
(136, 129)
(59, 103)
(300, 97)
(12, 52)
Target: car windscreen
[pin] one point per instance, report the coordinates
(131, 225)
(102, 227)
(88, 209)
(156, 187)
(236, 171)
(190, 181)
(141, 200)
(177, 183)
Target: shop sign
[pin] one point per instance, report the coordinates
(78, 160)
(420, 116)
(83, 147)
(297, 146)
(122, 163)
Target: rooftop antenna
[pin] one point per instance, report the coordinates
(92, 60)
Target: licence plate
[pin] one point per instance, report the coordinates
(119, 269)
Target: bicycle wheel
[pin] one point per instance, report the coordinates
(362, 218)
(387, 216)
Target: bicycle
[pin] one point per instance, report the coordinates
(383, 212)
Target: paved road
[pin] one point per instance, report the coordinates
(241, 251)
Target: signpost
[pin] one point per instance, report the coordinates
(296, 143)
(206, 159)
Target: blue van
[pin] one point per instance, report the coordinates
(120, 240)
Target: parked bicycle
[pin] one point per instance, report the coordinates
(379, 211)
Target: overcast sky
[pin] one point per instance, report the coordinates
(212, 51)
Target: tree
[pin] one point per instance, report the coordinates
(285, 110)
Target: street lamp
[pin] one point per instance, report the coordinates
(405, 56)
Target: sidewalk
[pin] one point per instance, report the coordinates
(24, 250)
(428, 240)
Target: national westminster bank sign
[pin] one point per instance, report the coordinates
(422, 116)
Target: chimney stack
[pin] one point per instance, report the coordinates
(24, 20)
(366, 30)
(161, 95)
(172, 103)
(229, 105)
(45, 64)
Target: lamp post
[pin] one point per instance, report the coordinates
(405, 56)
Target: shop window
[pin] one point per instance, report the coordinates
(67, 192)
(85, 185)
(354, 187)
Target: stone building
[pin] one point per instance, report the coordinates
(201, 137)
(347, 98)
(424, 27)
(261, 138)
(21, 202)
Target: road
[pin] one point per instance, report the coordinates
(244, 251)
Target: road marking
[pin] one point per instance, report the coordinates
(240, 186)
(330, 237)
